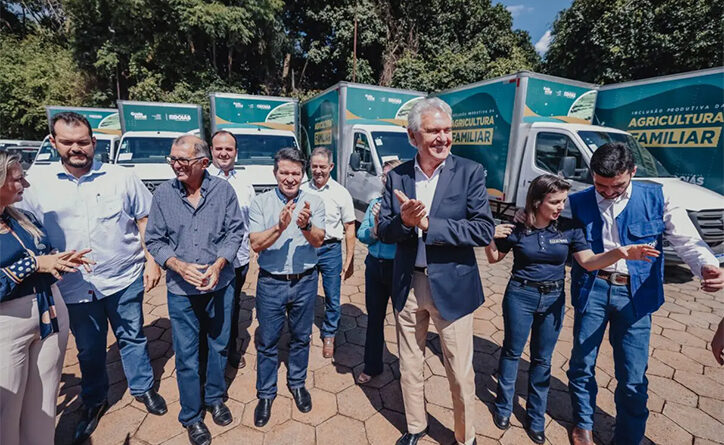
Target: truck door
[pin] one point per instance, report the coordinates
(362, 181)
(550, 152)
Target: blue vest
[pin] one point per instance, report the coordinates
(641, 222)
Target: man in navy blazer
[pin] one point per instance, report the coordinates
(435, 209)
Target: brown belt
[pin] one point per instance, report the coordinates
(619, 279)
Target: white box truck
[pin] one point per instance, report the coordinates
(149, 129)
(526, 124)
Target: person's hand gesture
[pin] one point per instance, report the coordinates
(210, 278)
(375, 217)
(63, 262)
(192, 273)
(304, 215)
(412, 211)
(285, 216)
(503, 230)
(713, 278)
(638, 252)
(151, 275)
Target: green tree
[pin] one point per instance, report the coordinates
(607, 41)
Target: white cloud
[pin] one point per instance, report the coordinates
(543, 43)
(517, 10)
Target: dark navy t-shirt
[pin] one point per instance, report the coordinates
(541, 254)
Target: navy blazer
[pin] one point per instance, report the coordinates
(460, 219)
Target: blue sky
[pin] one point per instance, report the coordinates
(536, 17)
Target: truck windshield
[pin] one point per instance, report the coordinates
(647, 165)
(393, 143)
(49, 154)
(260, 148)
(144, 150)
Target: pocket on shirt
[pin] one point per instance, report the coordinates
(110, 209)
(645, 231)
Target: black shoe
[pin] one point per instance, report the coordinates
(199, 434)
(262, 412)
(153, 401)
(302, 398)
(236, 360)
(536, 436)
(503, 423)
(410, 439)
(89, 422)
(220, 413)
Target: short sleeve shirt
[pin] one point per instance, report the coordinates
(291, 252)
(541, 254)
(338, 207)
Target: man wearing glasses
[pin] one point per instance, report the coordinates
(194, 231)
(85, 203)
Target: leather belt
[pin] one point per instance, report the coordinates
(286, 276)
(331, 241)
(618, 279)
(421, 269)
(542, 286)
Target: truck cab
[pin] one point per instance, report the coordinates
(373, 145)
(565, 149)
(145, 152)
(255, 153)
(106, 147)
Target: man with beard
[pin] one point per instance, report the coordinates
(339, 222)
(85, 203)
(286, 226)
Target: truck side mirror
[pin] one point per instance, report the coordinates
(105, 158)
(355, 161)
(567, 166)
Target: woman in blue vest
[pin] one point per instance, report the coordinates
(378, 284)
(534, 300)
(33, 318)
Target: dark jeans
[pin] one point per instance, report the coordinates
(277, 300)
(193, 316)
(528, 310)
(330, 266)
(89, 324)
(238, 284)
(378, 290)
(629, 336)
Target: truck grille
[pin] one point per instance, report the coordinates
(152, 184)
(710, 224)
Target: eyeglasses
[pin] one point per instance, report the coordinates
(183, 162)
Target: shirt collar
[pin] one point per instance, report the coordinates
(216, 171)
(97, 168)
(625, 195)
(283, 198)
(437, 169)
(313, 185)
(205, 182)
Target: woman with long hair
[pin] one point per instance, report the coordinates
(534, 301)
(33, 317)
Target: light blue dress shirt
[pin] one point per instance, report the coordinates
(97, 211)
(291, 253)
(375, 247)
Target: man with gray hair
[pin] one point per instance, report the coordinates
(194, 231)
(435, 209)
(339, 219)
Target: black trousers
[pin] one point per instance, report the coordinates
(238, 284)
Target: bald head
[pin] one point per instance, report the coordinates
(200, 147)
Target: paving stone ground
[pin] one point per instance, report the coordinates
(686, 387)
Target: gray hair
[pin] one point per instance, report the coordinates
(323, 151)
(201, 148)
(414, 118)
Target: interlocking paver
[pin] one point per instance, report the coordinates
(685, 391)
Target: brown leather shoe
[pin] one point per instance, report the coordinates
(579, 436)
(328, 347)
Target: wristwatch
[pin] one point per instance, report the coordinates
(308, 227)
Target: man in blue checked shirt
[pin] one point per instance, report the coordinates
(286, 226)
(194, 231)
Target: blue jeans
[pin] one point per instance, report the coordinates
(629, 337)
(330, 266)
(528, 310)
(275, 301)
(89, 324)
(191, 317)
(378, 290)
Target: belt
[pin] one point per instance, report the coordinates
(618, 279)
(331, 241)
(421, 269)
(286, 276)
(542, 286)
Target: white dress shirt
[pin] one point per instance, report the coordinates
(425, 187)
(338, 207)
(97, 211)
(244, 193)
(679, 231)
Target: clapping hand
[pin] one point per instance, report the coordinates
(304, 215)
(412, 211)
(285, 216)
